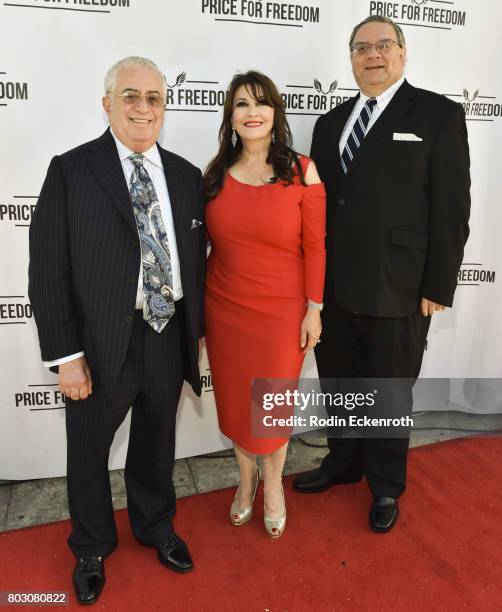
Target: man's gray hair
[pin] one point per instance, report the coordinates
(379, 19)
(132, 61)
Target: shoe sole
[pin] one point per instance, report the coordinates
(322, 489)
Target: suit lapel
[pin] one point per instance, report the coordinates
(105, 164)
(174, 180)
(397, 107)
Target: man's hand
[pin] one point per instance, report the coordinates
(75, 379)
(429, 307)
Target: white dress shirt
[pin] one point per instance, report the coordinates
(381, 103)
(153, 165)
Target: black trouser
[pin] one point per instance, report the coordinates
(359, 346)
(150, 382)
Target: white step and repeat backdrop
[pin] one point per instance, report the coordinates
(53, 56)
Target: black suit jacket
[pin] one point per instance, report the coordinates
(85, 257)
(397, 222)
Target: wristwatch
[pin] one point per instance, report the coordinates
(315, 305)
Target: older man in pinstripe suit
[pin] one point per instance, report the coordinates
(117, 261)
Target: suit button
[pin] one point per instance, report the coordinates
(341, 201)
(132, 279)
(128, 319)
(135, 243)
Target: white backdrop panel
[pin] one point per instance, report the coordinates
(53, 56)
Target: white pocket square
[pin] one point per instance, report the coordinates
(195, 223)
(408, 137)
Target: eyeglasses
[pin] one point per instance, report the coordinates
(381, 46)
(132, 98)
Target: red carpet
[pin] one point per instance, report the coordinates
(444, 554)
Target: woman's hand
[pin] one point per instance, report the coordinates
(310, 331)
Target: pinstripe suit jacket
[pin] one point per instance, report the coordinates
(85, 255)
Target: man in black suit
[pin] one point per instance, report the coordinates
(117, 265)
(395, 163)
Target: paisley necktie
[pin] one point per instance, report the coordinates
(158, 303)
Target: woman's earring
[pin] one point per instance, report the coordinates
(233, 138)
(273, 135)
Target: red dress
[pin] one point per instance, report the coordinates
(267, 257)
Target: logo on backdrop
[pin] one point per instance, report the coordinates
(318, 87)
(82, 6)
(196, 96)
(18, 212)
(316, 98)
(39, 397)
(423, 13)
(474, 275)
(281, 14)
(477, 106)
(206, 381)
(14, 310)
(11, 91)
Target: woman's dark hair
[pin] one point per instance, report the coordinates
(280, 155)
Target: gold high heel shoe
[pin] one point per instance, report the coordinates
(239, 516)
(275, 527)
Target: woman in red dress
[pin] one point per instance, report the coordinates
(266, 223)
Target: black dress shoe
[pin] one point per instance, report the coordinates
(383, 514)
(89, 579)
(316, 481)
(173, 553)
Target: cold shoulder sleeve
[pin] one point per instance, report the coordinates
(313, 210)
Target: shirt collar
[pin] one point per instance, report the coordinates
(152, 154)
(384, 98)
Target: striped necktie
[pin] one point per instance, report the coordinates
(357, 134)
